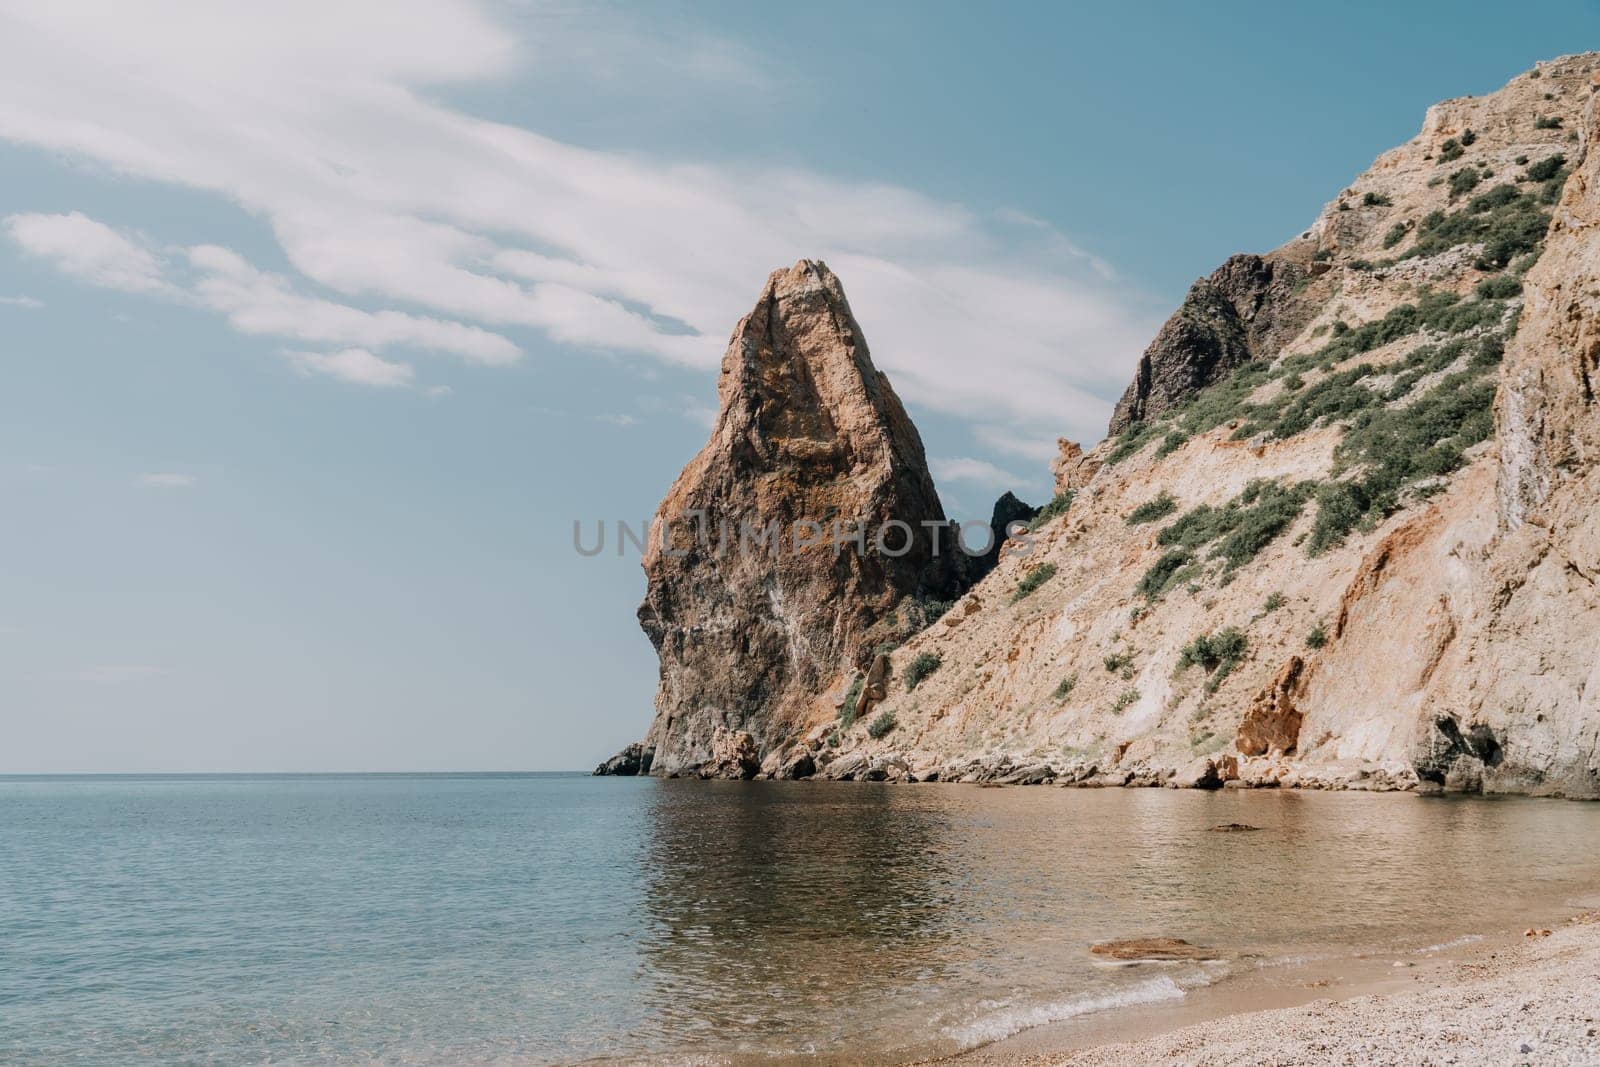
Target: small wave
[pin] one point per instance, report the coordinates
(1004, 1023)
(1459, 942)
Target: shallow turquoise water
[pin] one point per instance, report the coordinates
(552, 918)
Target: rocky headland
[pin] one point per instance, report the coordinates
(1341, 534)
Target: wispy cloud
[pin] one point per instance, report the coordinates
(165, 480)
(383, 195)
(88, 250)
(255, 302)
(354, 365)
(1014, 442)
(21, 302)
(970, 469)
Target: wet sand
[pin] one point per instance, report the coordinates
(1503, 999)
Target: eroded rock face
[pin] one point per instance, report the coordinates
(809, 431)
(1272, 722)
(1072, 469)
(1522, 712)
(1247, 309)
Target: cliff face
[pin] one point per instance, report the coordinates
(755, 616)
(1247, 309)
(1343, 534)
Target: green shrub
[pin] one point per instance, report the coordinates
(1273, 602)
(1218, 653)
(1213, 650)
(1547, 122)
(1171, 443)
(1243, 527)
(921, 665)
(1162, 574)
(1317, 638)
(1340, 505)
(1396, 234)
(1375, 200)
(1546, 168)
(881, 725)
(1468, 138)
(1118, 662)
(1127, 697)
(1464, 181)
(1450, 151)
(1507, 222)
(923, 613)
(847, 710)
(1391, 449)
(1158, 507)
(1065, 687)
(1058, 506)
(1033, 580)
(1500, 287)
(1132, 439)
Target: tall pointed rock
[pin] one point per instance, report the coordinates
(756, 629)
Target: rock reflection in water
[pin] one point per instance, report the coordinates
(815, 902)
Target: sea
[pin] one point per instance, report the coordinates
(559, 918)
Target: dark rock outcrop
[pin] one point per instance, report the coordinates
(1007, 510)
(1247, 309)
(633, 760)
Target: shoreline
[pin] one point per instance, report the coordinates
(1499, 997)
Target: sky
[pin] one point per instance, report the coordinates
(324, 322)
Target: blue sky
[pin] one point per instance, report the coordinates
(323, 323)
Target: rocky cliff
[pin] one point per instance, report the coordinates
(1246, 310)
(1342, 533)
(768, 589)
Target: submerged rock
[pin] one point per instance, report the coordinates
(1153, 949)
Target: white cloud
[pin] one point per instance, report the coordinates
(88, 250)
(970, 469)
(1012, 442)
(354, 365)
(617, 420)
(166, 480)
(260, 303)
(21, 302)
(254, 301)
(312, 120)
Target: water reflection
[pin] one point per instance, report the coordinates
(805, 898)
(811, 915)
(535, 919)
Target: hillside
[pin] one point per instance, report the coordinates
(1340, 534)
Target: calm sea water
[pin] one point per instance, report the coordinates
(551, 918)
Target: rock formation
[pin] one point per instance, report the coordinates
(1246, 309)
(1344, 533)
(755, 613)
(1071, 468)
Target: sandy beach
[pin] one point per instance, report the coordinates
(1533, 1000)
